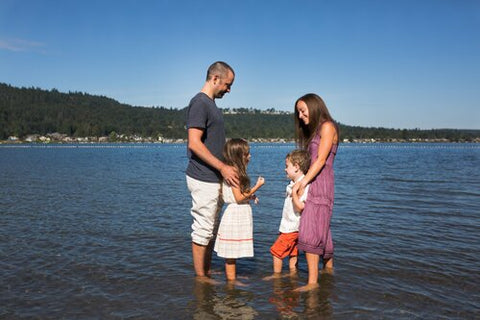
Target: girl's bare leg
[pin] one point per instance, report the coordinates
(231, 269)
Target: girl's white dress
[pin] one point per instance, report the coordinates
(235, 233)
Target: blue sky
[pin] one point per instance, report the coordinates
(385, 63)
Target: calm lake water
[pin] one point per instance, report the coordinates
(103, 232)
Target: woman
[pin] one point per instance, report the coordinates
(317, 132)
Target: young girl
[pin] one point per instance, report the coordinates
(235, 233)
(316, 132)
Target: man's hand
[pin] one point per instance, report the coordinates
(230, 175)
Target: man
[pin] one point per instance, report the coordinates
(206, 137)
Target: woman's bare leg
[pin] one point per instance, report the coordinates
(328, 265)
(313, 261)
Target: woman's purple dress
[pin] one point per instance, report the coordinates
(314, 234)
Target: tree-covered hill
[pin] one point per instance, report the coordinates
(26, 111)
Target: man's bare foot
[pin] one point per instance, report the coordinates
(308, 287)
(207, 280)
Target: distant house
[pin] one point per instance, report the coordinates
(32, 138)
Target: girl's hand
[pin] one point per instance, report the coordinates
(254, 198)
(260, 181)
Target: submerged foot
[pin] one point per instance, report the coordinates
(207, 280)
(327, 270)
(273, 276)
(308, 287)
(235, 283)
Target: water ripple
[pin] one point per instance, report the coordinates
(104, 232)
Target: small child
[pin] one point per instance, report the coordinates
(235, 233)
(297, 163)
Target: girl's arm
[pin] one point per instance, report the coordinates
(245, 197)
(328, 134)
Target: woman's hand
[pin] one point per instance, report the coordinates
(298, 188)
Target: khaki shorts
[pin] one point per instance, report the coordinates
(206, 204)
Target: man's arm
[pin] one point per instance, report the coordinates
(196, 146)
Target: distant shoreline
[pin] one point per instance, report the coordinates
(45, 140)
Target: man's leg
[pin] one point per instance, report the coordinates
(205, 207)
(199, 258)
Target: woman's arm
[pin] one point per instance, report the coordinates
(329, 135)
(245, 197)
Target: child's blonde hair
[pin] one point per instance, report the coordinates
(301, 158)
(235, 154)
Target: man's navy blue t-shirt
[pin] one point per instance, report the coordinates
(204, 114)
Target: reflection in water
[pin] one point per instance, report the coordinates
(317, 302)
(214, 303)
(311, 304)
(230, 302)
(283, 297)
(92, 232)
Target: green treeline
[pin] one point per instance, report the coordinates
(25, 111)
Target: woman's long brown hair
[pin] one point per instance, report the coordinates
(317, 114)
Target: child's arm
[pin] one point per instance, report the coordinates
(245, 197)
(299, 200)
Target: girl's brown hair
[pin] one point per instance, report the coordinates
(235, 154)
(317, 115)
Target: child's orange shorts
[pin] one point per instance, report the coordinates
(286, 245)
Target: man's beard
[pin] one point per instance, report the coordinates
(220, 94)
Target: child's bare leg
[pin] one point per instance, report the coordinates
(277, 265)
(231, 269)
(292, 264)
(277, 269)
